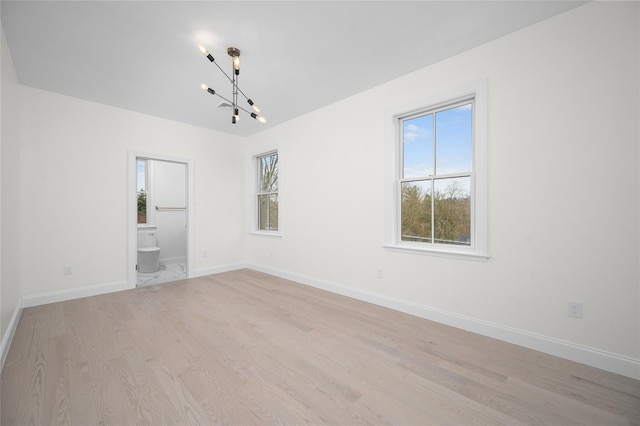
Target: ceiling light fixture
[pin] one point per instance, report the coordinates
(235, 61)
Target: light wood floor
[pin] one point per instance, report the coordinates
(248, 348)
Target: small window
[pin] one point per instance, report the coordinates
(141, 167)
(267, 194)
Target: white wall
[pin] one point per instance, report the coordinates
(10, 180)
(563, 140)
(74, 177)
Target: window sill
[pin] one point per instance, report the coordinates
(452, 254)
(269, 234)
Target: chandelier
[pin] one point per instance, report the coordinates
(233, 102)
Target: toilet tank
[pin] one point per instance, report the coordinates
(147, 237)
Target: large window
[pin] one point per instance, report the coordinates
(437, 147)
(267, 196)
(439, 176)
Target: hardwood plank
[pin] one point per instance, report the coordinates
(244, 347)
(15, 365)
(31, 403)
(188, 408)
(57, 408)
(81, 402)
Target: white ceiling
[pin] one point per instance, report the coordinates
(297, 56)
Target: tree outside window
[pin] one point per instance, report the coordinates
(141, 171)
(268, 192)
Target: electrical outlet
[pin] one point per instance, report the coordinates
(379, 274)
(67, 270)
(575, 309)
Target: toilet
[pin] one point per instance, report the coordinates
(148, 252)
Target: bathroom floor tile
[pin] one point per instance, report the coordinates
(167, 273)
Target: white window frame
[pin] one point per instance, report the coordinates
(393, 173)
(255, 216)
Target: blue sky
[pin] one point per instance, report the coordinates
(453, 132)
(141, 185)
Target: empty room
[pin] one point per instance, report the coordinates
(320, 212)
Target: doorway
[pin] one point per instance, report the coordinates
(160, 213)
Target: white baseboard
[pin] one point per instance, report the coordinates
(217, 269)
(8, 335)
(603, 360)
(73, 293)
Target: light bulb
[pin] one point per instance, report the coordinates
(205, 53)
(258, 117)
(207, 89)
(254, 106)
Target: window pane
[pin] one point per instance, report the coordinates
(268, 212)
(263, 212)
(141, 171)
(273, 212)
(417, 146)
(142, 207)
(268, 173)
(416, 211)
(453, 143)
(141, 168)
(452, 211)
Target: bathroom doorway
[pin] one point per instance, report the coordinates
(159, 235)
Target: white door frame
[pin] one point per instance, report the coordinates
(132, 210)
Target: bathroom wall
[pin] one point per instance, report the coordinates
(167, 188)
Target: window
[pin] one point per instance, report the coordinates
(439, 184)
(141, 167)
(435, 194)
(267, 194)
